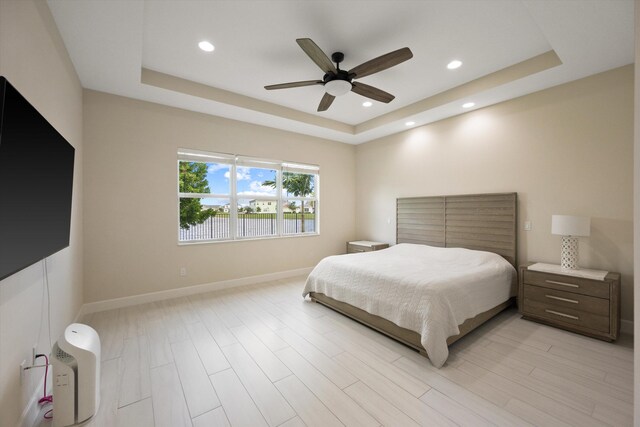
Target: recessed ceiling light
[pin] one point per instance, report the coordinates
(468, 104)
(206, 46)
(367, 104)
(454, 64)
(410, 123)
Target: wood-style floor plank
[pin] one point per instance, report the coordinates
(238, 406)
(197, 388)
(139, 414)
(169, 406)
(213, 418)
(532, 414)
(311, 410)
(208, 350)
(135, 382)
(268, 362)
(273, 406)
(107, 414)
(379, 407)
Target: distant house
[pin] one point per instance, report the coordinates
(266, 206)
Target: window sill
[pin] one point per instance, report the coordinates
(247, 239)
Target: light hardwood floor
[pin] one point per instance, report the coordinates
(262, 356)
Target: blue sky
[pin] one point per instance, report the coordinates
(249, 182)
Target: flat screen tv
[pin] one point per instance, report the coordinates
(36, 183)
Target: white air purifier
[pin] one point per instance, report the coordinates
(76, 375)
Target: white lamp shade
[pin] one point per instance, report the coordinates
(337, 87)
(569, 225)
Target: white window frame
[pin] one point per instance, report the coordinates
(235, 161)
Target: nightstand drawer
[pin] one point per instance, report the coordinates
(576, 285)
(559, 314)
(568, 300)
(352, 249)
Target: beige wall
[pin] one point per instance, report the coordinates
(34, 60)
(131, 216)
(565, 150)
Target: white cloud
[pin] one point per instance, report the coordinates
(216, 167)
(257, 186)
(241, 174)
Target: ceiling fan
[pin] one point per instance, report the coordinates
(338, 82)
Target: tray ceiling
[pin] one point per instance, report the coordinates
(148, 50)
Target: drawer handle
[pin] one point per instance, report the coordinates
(572, 301)
(557, 313)
(571, 285)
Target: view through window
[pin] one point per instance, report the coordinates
(227, 197)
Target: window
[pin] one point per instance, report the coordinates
(228, 197)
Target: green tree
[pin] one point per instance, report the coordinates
(297, 184)
(193, 179)
(293, 207)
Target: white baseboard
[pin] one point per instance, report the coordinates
(110, 304)
(626, 327)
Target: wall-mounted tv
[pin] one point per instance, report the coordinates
(36, 184)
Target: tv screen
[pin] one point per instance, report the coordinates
(36, 182)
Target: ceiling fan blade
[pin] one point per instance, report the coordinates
(294, 84)
(382, 62)
(325, 102)
(371, 92)
(317, 55)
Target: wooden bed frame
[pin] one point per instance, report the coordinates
(486, 222)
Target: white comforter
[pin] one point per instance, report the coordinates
(425, 289)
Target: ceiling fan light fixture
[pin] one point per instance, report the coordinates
(454, 64)
(337, 87)
(367, 104)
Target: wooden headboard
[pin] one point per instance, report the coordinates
(486, 222)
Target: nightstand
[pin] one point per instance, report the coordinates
(365, 246)
(571, 300)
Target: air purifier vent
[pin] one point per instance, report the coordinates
(63, 357)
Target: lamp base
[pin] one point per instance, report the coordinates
(569, 256)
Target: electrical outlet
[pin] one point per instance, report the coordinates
(22, 371)
(183, 271)
(527, 226)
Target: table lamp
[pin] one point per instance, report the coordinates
(570, 228)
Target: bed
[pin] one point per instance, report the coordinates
(453, 268)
